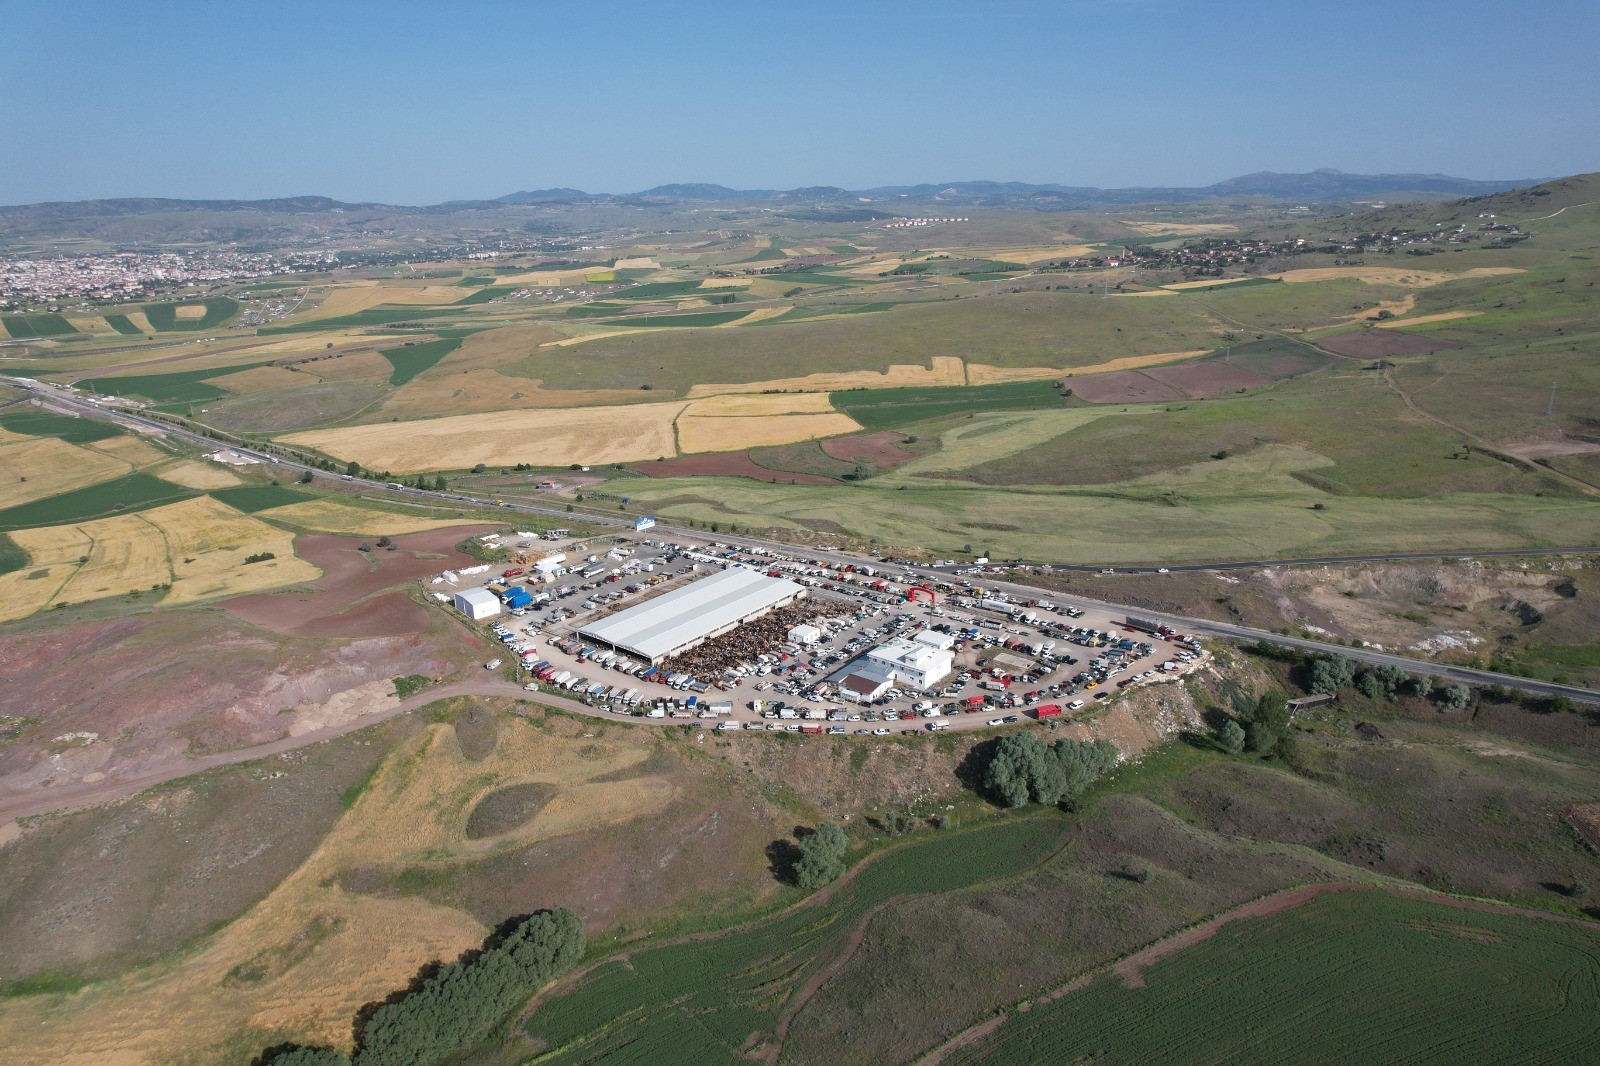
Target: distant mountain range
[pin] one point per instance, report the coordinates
(1319, 186)
(267, 223)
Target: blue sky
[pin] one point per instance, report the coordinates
(420, 102)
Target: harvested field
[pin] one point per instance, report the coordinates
(1174, 229)
(726, 464)
(345, 300)
(354, 597)
(745, 405)
(426, 295)
(190, 311)
(1207, 283)
(491, 348)
(1376, 275)
(1373, 344)
(198, 475)
(1121, 386)
(761, 314)
(1207, 377)
(726, 283)
(537, 279)
(881, 450)
(638, 262)
(942, 370)
(982, 374)
(588, 435)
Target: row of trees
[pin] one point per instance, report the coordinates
(1024, 769)
(458, 1006)
(1328, 674)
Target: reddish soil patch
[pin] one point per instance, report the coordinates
(123, 699)
(881, 450)
(1377, 343)
(346, 601)
(1207, 378)
(728, 464)
(1121, 386)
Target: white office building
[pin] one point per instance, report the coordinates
(911, 663)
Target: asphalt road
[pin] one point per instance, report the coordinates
(1183, 623)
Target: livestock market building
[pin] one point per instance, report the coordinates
(689, 616)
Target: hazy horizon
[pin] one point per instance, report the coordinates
(408, 103)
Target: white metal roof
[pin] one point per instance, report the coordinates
(661, 626)
(478, 597)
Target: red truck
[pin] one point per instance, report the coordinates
(515, 571)
(1047, 710)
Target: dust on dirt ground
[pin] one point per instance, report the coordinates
(124, 697)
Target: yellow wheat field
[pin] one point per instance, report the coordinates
(322, 952)
(137, 320)
(487, 390)
(726, 283)
(761, 405)
(943, 370)
(131, 450)
(330, 516)
(429, 295)
(50, 466)
(760, 314)
(730, 434)
(190, 312)
(197, 475)
(198, 546)
(586, 435)
(544, 279)
(1442, 316)
(1204, 283)
(982, 374)
(639, 262)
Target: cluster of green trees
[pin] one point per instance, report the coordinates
(1024, 769)
(1329, 674)
(1265, 721)
(821, 856)
(459, 1005)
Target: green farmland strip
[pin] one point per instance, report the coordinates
(135, 492)
(253, 498)
(1353, 977)
(882, 408)
(122, 325)
(36, 423)
(707, 997)
(26, 327)
(184, 386)
(410, 361)
(372, 316)
(653, 290)
(164, 317)
(11, 556)
(483, 296)
(708, 318)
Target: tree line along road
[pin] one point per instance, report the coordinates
(1206, 627)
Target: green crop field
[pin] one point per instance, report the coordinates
(410, 361)
(1351, 977)
(253, 498)
(36, 423)
(181, 386)
(703, 1000)
(121, 324)
(164, 317)
(704, 318)
(133, 492)
(653, 290)
(25, 327)
(373, 316)
(884, 408)
(483, 296)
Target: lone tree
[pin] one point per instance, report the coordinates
(1454, 697)
(1232, 736)
(821, 856)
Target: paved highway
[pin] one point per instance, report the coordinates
(1183, 623)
